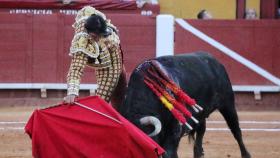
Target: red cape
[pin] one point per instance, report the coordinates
(73, 131)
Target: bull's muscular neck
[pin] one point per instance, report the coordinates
(118, 95)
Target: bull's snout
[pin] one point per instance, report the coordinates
(151, 120)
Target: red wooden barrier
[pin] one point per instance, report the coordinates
(257, 41)
(34, 48)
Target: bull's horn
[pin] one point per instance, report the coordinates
(151, 120)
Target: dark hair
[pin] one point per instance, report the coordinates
(96, 24)
(201, 14)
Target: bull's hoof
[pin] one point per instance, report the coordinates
(246, 156)
(202, 156)
(198, 152)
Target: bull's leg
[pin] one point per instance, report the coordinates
(229, 113)
(171, 146)
(172, 140)
(198, 149)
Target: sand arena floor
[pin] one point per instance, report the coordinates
(261, 132)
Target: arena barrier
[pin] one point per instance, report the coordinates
(165, 46)
(38, 57)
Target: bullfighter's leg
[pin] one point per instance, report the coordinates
(118, 94)
(229, 113)
(198, 149)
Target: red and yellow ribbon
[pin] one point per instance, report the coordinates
(169, 102)
(168, 97)
(166, 103)
(183, 97)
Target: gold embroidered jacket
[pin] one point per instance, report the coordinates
(104, 55)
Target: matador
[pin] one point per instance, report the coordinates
(95, 44)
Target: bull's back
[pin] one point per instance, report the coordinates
(200, 75)
(200, 66)
(191, 62)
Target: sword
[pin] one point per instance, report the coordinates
(98, 112)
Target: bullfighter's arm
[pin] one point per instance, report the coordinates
(78, 63)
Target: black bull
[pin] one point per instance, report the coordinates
(204, 79)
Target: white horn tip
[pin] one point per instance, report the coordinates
(151, 120)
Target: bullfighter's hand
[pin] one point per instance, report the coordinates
(70, 99)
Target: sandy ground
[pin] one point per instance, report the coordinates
(218, 142)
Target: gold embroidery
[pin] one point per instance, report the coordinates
(104, 55)
(75, 72)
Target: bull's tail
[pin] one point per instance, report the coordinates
(118, 95)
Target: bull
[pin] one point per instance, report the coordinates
(202, 77)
